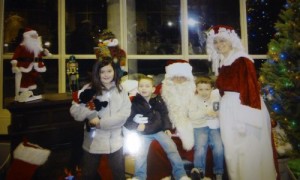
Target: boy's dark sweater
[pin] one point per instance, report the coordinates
(155, 110)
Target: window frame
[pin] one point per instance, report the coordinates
(62, 56)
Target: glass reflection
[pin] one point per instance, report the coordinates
(84, 21)
(157, 67)
(154, 27)
(38, 15)
(202, 14)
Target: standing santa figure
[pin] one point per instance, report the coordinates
(27, 64)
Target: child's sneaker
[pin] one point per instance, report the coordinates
(185, 178)
(197, 174)
(219, 177)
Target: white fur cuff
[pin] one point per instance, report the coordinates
(32, 155)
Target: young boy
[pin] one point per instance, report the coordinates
(149, 117)
(204, 117)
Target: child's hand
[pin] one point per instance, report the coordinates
(141, 127)
(213, 114)
(95, 122)
(168, 132)
(140, 119)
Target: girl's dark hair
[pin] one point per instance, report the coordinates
(96, 80)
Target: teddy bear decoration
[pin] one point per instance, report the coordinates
(88, 97)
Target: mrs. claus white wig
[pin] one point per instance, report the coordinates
(226, 32)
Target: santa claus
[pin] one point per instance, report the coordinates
(178, 88)
(27, 65)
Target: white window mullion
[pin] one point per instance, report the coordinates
(184, 28)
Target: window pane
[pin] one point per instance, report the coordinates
(8, 80)
(157, 67)
(84, 19)
(50, 77)
(261, 16)
(203, 14)
(154, 27)
(200, 67)
(35, 14)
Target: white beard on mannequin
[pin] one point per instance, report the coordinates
(32, 45)
(178, 98)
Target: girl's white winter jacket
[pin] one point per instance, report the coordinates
(108, 138)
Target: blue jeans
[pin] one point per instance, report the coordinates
(169, 147)
(205, 137)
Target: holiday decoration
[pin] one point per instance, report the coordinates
(282, 145)
(88, 97)
(279, 76)
(27, 64)
(108, 40)
(27, 158)
(72, 72)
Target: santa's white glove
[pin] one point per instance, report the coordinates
(140, 119)
(47, 53)
(15, 69)
(36, 65)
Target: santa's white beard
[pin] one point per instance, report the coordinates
(33, 45)
(178, 98)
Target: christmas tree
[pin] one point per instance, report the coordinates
(280, 75)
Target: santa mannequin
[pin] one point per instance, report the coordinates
(117, 54)
(178, 87)
(27, 65)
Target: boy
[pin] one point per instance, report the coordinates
(149, 117)
(204, 117)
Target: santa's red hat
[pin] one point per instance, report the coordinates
(179, 68)
(28, 32)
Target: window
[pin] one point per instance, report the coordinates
(261, 18)
(203, 14)
(151, 32)
(84, 21)
(153, 27)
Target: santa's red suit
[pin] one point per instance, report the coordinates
(28, 63)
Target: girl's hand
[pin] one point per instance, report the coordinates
(141, 127)
(95, 122)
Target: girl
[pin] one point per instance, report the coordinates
(106, 135)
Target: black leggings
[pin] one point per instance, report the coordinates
(90, 163)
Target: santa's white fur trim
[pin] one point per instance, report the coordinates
(179, 69)
(28, 33)
(31, 155)
(14, 61)
(186, 134)
(39, 67)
